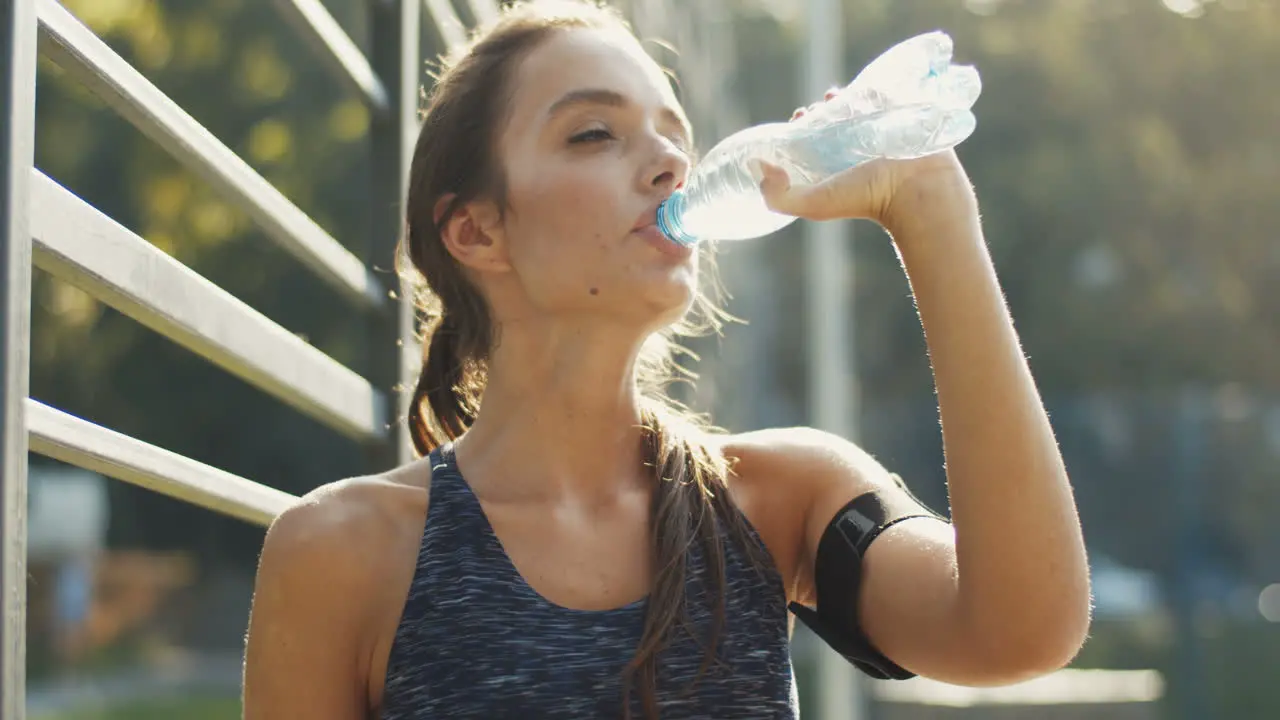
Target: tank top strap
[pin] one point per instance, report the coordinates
(457, 541)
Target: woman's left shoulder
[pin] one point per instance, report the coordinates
(789, 461)
(777, 474)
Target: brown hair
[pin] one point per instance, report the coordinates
(457, 153)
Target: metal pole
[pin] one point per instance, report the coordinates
(397, 58)
(17, 118)
(833, 387)
(1191, 454)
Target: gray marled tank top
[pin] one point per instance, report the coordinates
(476, 641)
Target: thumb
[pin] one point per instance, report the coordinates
(781, 196)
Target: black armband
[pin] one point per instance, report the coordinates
(838, 576)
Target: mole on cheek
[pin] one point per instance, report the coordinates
(595, 291)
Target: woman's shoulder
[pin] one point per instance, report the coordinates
(334, 569)
(355, 516)
(779, 474)
(360, 534)
(766, 482)
(785, 458)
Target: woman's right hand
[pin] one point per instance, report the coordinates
(901, 195)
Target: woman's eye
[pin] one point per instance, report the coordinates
(594, 135)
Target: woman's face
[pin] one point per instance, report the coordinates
(594, 142)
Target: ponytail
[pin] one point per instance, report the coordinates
(450, 383)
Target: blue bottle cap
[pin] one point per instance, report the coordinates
(670, 220)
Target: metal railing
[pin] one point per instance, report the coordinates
(46, 226)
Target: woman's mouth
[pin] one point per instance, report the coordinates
(654, 237)
(647, 228)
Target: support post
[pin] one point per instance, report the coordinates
(397, 58)
(17, 151)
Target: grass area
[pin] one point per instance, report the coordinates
(188, 708)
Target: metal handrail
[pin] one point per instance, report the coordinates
(83, 55)
(451, 29)
(65, 437)
(78, 244)
(339, 52)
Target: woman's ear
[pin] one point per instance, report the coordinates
(473, 234)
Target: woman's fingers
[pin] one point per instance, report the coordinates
(828, 95)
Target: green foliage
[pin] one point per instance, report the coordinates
(188, 708)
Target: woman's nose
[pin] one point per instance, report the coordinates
(670, 169)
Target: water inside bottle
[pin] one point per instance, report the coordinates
(908, 103)
(725, 202)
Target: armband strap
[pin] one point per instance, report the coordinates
(838, 576)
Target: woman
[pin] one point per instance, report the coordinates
(572, 545)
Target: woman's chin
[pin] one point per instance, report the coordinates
(669, 303)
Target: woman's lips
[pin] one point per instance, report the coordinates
(654, 237)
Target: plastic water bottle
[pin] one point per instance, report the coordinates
(908, 103)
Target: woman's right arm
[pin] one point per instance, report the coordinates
(307, 653)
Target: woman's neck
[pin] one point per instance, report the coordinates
(559, 418)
